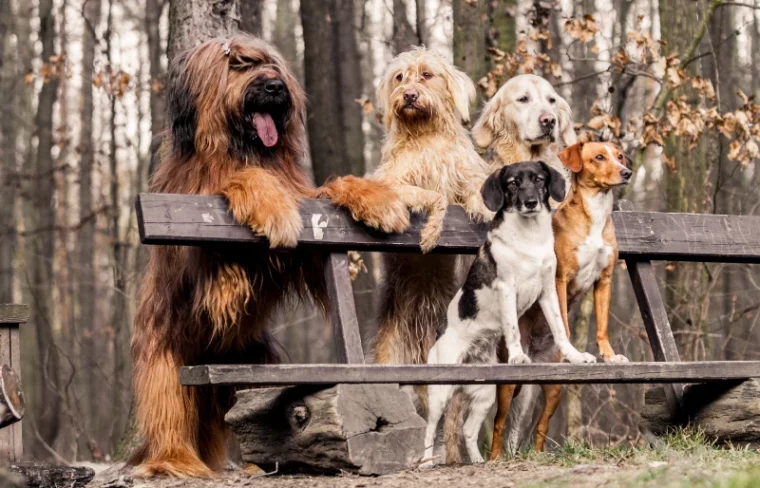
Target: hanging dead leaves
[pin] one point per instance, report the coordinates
(115, 83)
(50, 71)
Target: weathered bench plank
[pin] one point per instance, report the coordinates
(327, 374)
(201, 219)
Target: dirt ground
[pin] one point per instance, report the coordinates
(684, 461)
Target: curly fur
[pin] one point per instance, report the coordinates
(197, 305)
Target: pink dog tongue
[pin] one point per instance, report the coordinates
(265, 128)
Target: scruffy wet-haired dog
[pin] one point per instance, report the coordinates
(429, 158)
(514, 269)
(236, 117)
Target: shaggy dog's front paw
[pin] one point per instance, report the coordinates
(430, 236)
(477, 210)
(282, 226)
(520, 358)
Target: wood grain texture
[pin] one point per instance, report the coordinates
(328, 374)
(348, 340)
(364, 429)
(203, 219)
(14, 314)
(655, 318)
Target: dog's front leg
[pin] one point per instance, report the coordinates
(374, 202)
(420, 200)
(602, 296)
(549, 303)
(258, 199)
(510, 327)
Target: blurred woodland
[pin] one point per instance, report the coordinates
(82, 87)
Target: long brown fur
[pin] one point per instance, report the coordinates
(202, 306)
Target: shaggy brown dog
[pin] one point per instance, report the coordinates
(236, 115)
(429, 157)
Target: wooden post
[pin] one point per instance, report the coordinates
(348, 341)
(655, 319)
(11, 317)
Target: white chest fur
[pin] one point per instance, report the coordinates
(523, 249)
(593, 254)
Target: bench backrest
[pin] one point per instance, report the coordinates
(200, 220)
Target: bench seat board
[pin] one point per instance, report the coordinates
(327, 374)
(204, 219)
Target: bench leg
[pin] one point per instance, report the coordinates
(11, 446)
(655, 319)
(348, 341)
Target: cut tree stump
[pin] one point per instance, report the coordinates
(364, 429)
(12, 403)
(45, 476)
(726, 411)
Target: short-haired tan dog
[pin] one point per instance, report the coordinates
(429, 159)
(587, 251)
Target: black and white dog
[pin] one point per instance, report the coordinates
(514, 268)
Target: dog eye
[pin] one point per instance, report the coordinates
(399, 77)
(523, 99)
(552, 100)
(599, 157)
(427, 75)
(241, 61)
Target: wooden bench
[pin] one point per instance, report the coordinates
(11, 318)
(643, 237)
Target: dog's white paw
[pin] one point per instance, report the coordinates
(477, 459)
(521, 358)
(577, 357)
(616, 359)
(429, 464)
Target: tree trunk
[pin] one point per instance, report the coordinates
(470, 37)
(87, 278)
(192, 22)
(331, 66)
(250, 16)
(119, 318)
(686, 185)
(157, 79)
(403, 33)
(422, 27)
(42, 192)
(8, 161)
(284, 37)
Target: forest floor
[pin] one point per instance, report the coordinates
(681, 460)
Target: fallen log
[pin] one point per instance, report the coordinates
(45, 476)
(726, 411)
(364, 429)
(12, 403)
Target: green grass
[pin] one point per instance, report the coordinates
(693, 461)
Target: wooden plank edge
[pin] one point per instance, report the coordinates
(14, 314)
(547, 373)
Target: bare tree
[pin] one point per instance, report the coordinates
(42, 247)
(331, 67)
(250, 16)
(193, 21)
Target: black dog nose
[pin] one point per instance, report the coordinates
(531, 204)
(547, 121)
(411, 96)
(274, 86)
(626, 173)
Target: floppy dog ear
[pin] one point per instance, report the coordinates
(566, 126)
(555, 182)
(382, 96)
(183, 115)
(572, 158)
(493, 191)
(490, 122)
(463, 90)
